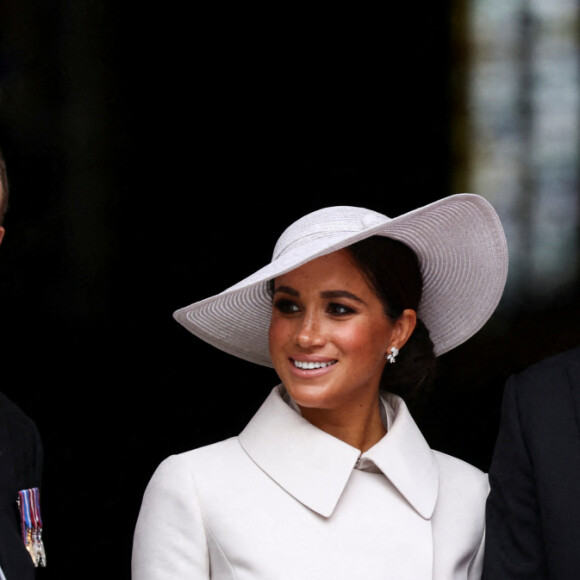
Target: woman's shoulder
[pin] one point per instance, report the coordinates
(215, 458)
(201, 455)
(455, 467)
(458, 476)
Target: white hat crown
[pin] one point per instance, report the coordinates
(330, 224)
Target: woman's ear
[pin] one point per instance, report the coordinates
(404, 327)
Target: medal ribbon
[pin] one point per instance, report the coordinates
(31, 524)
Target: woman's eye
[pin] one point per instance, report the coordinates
(339, 309)
(286, 306)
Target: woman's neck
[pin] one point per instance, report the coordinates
(361, 427)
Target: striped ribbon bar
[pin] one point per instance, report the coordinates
(31, 524)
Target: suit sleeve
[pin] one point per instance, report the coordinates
(169, 541)
(514, 542)
(21, 439)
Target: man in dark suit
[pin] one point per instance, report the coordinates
(533, 510)
(20, 463)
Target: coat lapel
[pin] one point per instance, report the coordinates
(407, 461)
(309, 464)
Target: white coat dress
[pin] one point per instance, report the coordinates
(287, 501)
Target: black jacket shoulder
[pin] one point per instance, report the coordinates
(546, 377)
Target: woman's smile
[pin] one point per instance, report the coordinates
(312, 365)
(311, 369)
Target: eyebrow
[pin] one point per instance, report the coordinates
(341, 294)
(327, 294)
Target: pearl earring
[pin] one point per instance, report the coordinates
(393, 356)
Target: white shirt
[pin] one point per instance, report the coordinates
(283, 501)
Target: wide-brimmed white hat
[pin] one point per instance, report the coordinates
(459, 241)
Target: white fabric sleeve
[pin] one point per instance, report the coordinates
(170, 541)
(476, 565)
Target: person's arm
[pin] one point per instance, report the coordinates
(170, 541)
(514, 542)
(475, 567)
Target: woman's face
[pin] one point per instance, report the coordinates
(329, 334)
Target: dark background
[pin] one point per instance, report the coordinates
(155, 155)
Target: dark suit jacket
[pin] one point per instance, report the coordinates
(20, 468)
(533, 510)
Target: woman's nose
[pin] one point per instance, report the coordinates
(310, 332)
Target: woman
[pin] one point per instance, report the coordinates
(332, 478)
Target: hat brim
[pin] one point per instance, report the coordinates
(462, 250)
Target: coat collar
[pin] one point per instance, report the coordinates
(314, 467)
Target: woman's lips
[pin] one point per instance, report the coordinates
(311, 368)
(310, 365)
